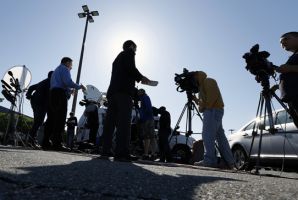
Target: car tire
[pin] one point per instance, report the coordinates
(240, 157)
(181, 154)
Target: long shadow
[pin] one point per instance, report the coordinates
(99, 179)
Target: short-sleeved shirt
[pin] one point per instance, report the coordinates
(289, 81)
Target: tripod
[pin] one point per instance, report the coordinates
(191, 108)
(264, 110)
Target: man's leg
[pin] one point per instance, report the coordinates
(109, 127)
(293, 107)
(222, 141)
(59, 107)
(124, 106)
(208, 135)
(39, 115)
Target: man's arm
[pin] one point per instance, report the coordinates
(30, 90)
(131, 67)
(287, 68)
(66, 78)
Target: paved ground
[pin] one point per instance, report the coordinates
(32, 174)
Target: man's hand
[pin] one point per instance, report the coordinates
(83, 88)
(145, 80)
(195, 99)
(283, 69)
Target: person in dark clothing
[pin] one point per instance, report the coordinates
(61, 85)
(91, 113)
(164, 132)
(289, 74)
(38, 95)
(71, 123)
(119, 95)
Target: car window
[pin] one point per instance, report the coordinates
(249, 126)
(266, 121)
(283, 117)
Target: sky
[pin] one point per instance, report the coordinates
(199, 35)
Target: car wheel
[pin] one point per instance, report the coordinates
(181, 154)
(240, 157)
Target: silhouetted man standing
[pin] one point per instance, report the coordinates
(60, 89)
(38, 95)
(120, 92)
(164, 132)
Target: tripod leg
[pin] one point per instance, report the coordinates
(255, 128)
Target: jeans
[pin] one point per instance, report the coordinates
(213, 131)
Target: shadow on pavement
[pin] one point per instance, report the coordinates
(102, 179)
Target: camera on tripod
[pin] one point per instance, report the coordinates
(258, 64)
(186, 82)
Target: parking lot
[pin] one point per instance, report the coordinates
(33, 174)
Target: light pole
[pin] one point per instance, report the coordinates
(90, 19)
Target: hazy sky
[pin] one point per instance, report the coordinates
(171, 34)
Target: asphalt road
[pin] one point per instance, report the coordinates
(33, 174)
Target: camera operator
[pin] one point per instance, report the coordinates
(289, 74)
(211, 105)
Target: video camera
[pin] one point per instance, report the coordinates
(258, 65)
(186, 82)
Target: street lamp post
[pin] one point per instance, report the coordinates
(90, 19)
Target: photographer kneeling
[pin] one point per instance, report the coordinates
(211, 105)
(289, 74)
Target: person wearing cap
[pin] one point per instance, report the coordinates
(119, 95)
(38, 94)
(211, 105)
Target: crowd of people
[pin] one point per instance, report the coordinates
(50, 96)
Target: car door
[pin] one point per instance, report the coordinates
(247, 136)
(285, 140)
(265, 150)
(289, 135)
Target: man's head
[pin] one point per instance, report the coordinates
(129, 45)
(200, 76)
(141, 92)
(289, 41)
(67, 62)
(162, 109)
(50, 74)
(71, 114)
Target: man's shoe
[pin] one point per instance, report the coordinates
(61, 148)
(106, 156)
(128, 158)
(204, 164)
(145, 157)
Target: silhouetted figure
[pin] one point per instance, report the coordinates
(146, 123)
(38, 95)
(119, 95)
(289, 74)
(71, 124)
(60, 89)
(164, 132)
(91, 113)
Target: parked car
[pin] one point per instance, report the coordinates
(276, 147)
(180, 145)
